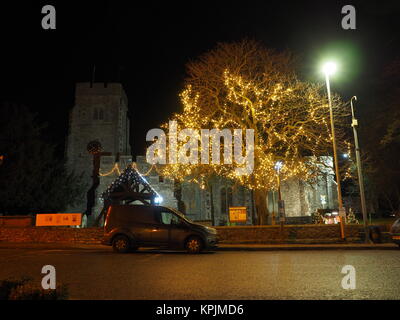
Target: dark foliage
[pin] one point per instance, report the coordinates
(381, 143)
(32, 178)
(26, 289)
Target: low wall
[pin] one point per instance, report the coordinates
(51, 234)
(291, 233)
(238, 234)
(17, 221)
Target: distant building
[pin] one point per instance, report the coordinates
(100, 114)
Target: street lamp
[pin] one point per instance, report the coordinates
(281, 205)
(354, 124)
(278, 167)
(329, 68)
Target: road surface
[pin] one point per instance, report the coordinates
(98, 273)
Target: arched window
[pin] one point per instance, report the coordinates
(230, 197)
(226, 199)
(223, 201)
(98, 114)
(95, 114)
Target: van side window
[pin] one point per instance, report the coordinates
(168, 218)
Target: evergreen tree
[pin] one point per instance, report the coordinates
(32, 178)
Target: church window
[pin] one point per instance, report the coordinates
(95, 114)
(226, 199)
(98, 114)
(82, 115)
(223, 200)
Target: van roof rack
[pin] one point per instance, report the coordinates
(130, 186)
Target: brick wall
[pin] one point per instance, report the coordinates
(239, 234)
(17, 221)
(291, 233)
(51, 234)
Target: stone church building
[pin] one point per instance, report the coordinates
(100, 115)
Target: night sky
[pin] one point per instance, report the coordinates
(146, 45)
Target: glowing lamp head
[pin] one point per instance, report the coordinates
(278, 165)
(158, 199)
(329, 68)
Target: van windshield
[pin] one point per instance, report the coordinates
(181, 215)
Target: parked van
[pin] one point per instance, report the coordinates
(395, 232)
(128, 227)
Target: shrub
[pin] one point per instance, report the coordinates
(317, 217)
(26, 289)
(6, 286)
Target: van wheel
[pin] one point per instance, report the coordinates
(121, 244)
(194, 245)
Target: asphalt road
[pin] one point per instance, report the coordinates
(98, 273)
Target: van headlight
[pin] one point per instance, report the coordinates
(211, 230)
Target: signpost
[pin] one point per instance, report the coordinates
(237, 214)
(58, 219)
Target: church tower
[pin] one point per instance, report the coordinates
(98, 117)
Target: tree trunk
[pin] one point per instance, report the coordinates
(260, 197)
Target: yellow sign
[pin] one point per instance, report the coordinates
(58, 219)
(237, 214)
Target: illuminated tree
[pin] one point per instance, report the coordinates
(245, 86)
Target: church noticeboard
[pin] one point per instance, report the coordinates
(58, 219)
(237, 214)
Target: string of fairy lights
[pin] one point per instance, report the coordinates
(117, 170)
(290, 119)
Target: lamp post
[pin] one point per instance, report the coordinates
(281, 205)
(354, 124)
(329, 68)
(278, 167)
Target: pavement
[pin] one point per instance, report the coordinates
(344, 246)
(222, 246)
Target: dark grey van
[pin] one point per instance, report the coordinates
(395, 232)
(128, 227)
